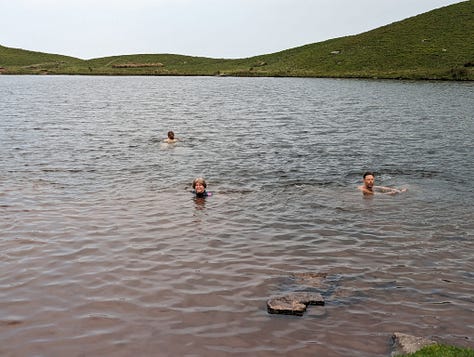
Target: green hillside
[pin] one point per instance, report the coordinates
(437, 44)
(18, 58)
(434, 45)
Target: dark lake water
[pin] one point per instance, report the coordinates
(104, 251)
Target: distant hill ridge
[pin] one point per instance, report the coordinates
(435, 45)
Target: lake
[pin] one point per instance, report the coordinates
(105, 251)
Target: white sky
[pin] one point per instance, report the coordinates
(208, 28)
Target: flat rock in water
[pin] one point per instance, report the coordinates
(293, 303)
(403, 344)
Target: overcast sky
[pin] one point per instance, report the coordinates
(209, 28)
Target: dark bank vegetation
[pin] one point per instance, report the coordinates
(434, 45)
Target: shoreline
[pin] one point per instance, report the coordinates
(250, 75)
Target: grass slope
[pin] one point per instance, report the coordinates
(14, 57)
(431, 45)
(443, 351)
(434, 45)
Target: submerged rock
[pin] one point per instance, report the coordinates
(315, 280)
(293, 303)
(403, 344)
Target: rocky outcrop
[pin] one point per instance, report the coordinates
(403, 344)
(293, 303)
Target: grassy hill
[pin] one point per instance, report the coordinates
(434, 45)
(17, 58)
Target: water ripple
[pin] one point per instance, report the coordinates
(105, 252)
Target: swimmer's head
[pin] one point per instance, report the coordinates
(199, 181)
(369, 178)
(170, 135)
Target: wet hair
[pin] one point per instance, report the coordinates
(367, 173)
(170, 135)
(200, 180)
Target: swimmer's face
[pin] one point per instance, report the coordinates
(199, 187)
(369, 181)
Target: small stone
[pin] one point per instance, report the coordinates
(403, 344)
(294, 303)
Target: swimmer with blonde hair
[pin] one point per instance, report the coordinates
(199, 188)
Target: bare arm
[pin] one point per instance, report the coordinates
(388, 190)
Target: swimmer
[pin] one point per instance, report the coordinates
(171, 139)
(368, 188)
(199, 188)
